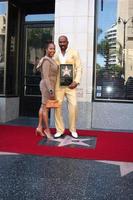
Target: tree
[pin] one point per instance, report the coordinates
(103, 48)
(37, 39)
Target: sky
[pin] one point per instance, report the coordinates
(3, 7)
(40, 17)
(106, 19)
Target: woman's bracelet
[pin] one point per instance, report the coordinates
(51, 91)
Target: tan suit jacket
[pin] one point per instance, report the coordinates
(72, 57)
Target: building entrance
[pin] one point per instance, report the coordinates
(25, 27)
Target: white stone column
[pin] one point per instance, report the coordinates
(75, 19)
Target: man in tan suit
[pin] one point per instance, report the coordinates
(70, 57)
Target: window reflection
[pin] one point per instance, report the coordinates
(114, 58)
(36, 39)
(39, 17)
(3, 12)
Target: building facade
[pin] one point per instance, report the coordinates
(105, 94)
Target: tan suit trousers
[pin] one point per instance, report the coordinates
(70, 94)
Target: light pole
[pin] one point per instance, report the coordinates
(120, 19)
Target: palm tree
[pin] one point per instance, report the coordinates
(103, 48)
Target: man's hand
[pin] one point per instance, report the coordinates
(73, 85)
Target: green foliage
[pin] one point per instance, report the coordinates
(103, 48)
(112, 69)
(37, 37)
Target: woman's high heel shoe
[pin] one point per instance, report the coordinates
(48, 135)
(39, 132)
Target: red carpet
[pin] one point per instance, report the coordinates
(117, 146)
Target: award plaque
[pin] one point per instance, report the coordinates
(66, 74)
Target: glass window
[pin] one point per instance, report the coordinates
(39, 29)
(3, 25)
(114, 50)
(37, 37)
(39, 17)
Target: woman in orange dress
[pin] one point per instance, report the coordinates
(49, 70)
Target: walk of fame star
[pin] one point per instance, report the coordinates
(85, 142)
(125, 167)
(69, 140)
(66, 71)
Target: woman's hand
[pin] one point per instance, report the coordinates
(52, 97)
(51, 94)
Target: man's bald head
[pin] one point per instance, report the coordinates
(63, 43)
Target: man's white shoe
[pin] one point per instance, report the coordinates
(58, 134)
(74, 134)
